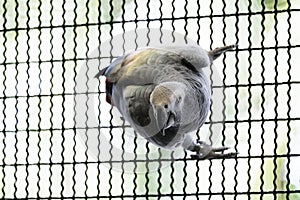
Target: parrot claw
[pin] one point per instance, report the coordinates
(206, 151)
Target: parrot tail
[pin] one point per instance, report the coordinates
(213, 54)
(101, 72)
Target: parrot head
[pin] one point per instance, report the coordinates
(167, 102)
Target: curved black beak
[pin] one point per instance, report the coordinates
(170, 122)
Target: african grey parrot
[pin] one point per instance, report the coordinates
(164, 94)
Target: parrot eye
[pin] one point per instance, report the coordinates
(166, 106)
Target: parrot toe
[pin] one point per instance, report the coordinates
(206, 151)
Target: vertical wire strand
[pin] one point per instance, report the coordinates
(135, 178)
(263, 101)
(159, 188)
(289, 103)
(40, 101)
(4, 99)
(172, 173)
(63, 98)
(224, 96)
(185, 185)
(173, 20)
(123, 158)
(198, 179)
(159, 182)
(27, 99)
(147, 143)
(185, 181)
(185, 21)
(110, 111)
(74, 100)
(211, 101)
(86, 102)
(198, 22)
(276, 103)
(51, 101)
(99, 99)
(123, 121)
(249, 99)
(236, 100)
(160, 21)
(16, 105)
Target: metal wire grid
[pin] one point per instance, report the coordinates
(44, 46)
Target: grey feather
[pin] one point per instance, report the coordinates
(101, 72)
(137, 98)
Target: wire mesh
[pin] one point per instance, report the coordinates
(60, 139)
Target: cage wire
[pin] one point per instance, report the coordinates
(60, 139)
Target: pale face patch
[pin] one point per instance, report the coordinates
(161, 95)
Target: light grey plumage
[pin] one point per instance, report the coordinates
(164, 94)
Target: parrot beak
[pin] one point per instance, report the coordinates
(160, 117)
(164, 120)
(170, 122)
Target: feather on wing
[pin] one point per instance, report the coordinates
(138, 103)
(124, 65)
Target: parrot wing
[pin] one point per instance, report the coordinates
(197, 56)
(115, 64)
(138, 103)
(145, 57)
(194, 55)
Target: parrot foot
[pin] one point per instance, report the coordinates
(206, 151)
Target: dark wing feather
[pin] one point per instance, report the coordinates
(101, 72)
(138, 103)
